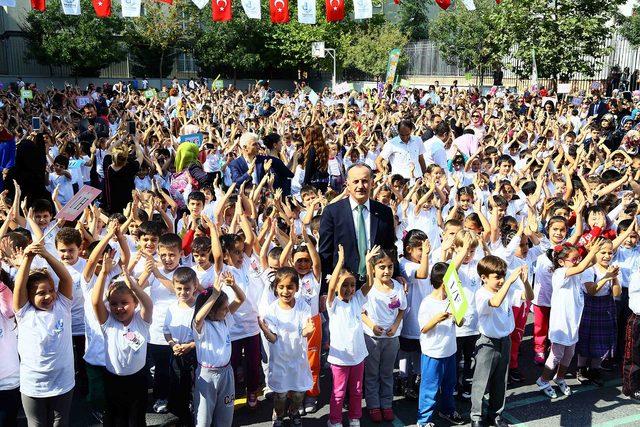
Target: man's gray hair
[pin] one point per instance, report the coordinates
(248, 137)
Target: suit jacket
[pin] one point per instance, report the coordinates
(283, 175)
(337, 227)
(598, 109)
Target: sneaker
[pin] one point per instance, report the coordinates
(539, 359)
(583, 375)
(296, 419)
(375, 415)
(310, 404)
(161, 406)
(330, 424)
(410, 392)
(252, 400)
(453, 418)
(562, 385)
(466, 395)
(387, 414)
(515, 375)
(399, 384)
(546, 388)
(636, 395)
(354, 423)
(98, 415)
(278, 422)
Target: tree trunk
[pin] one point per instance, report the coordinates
(161, 62)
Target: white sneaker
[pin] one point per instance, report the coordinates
(546, 388)
(354, 423)
(562, 385)
(330, 424)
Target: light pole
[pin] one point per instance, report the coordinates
(319, 51)
(332, 52)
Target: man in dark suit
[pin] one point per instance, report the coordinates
(252, 167)
(339, 225)
(598, 108)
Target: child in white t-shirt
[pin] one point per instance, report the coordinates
(286, 325)
(126, 334)
(214, 390)
(567, 303)
(382, 320)
(347, 349)
(43, 316)
(60, 178)
(10, 367)
(438, 346)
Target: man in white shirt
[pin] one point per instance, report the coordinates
(434, 147)
(404, 153)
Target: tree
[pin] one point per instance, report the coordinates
(85, 43)
(414, 18)
(154, 37)
(366, 49)
(568, 35)
(470, 38)
(630, 28)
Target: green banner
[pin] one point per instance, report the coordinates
(392, 65)
(457, 298)
(150, 93)
(26, 94)
(218, 84)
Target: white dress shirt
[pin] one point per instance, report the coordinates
(366, 212)
(435, 152)
(401, 155)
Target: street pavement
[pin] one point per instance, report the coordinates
(589, 405)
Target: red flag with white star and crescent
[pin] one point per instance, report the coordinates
(39, 5)
(102, 8)
(279, 11)
(335, 10)
(221, 10)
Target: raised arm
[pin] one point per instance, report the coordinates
(20, 296)
(202, 314)
(97, 294)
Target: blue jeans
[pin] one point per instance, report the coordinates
(437, 376)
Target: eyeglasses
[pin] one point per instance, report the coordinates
(475, 116)
(574, 260)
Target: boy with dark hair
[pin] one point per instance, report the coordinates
(494, 302)
(60, 179)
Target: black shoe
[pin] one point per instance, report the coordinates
(594, 376)
(499, 422)
(515, 375)
(583, 375)
(480, 423)
(453, 418)
(609, 365)
(410, 393)
(399, 384)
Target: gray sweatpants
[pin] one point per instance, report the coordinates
(378, 372)
(213, 397)
(48, 411)
(490, 374)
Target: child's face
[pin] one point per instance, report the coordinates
(415, 253)
(631, 241)
(170, 257)
(202, 258)
(42, 295)
(133, 228)
(465, 201)
(573, 258)
(472, 226)
(333, 150)
(302, 263)
(208, 195)
(493, 281)
(560, 187)
(307, 198)
(347, 287)
(68, 253)
(618, 162)
(604, 255)
(437, 174)
(557, 232)
(122, 306)
(142, 172)
(195, 207)
(384, 197)
(274, 262)
(505, 168)
(286, 290)
(450, 231)
(523, 248)
(43, 218)
(596, 219)
(565, 213)
(184, 292)
(234, 256)
(149, 243)
(58, 168)
(383, 270)
(507, 192)
(469, 255)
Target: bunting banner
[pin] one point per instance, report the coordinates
(131, 8)
(200, 4)
(335, 10)
(469, 4)
(221, 10)
(362, 9)
(444, 4)
(279, 11)
(102, 8)
(8, 3)
(71, 7)
(39, 5)
(251, 9)
(307, 11)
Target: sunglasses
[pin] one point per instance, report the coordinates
(475, 116)
(574, 260)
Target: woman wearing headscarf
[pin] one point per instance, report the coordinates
(608, 128)
(626, 124)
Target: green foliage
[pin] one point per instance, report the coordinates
(469, 39)
(631, 28)
(85, 43)
(562, 32)
(414, 18)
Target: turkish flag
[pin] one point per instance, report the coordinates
(444, 4)
(221, 10)
(40, 5)
(102, 8)
(335, 10)
(279, 11)
(165, 1)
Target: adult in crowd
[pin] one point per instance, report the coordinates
(404, 153)
(120, 169)
(316, 161)
(357, 223)
(30, 169)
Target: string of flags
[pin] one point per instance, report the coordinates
(221, 10)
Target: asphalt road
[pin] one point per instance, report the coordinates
(589, 405)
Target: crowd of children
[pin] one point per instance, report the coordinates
(208, 285)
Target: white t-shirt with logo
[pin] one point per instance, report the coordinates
(496, 322)
(310, 292)
(162, 298)
(347, 346)
(213, 343)
(419, 289)
(248, 278)
(125, 346)
(567, 303)
(440, 341)
(45, 348)
(382, 308)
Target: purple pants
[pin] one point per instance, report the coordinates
(249, 348)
